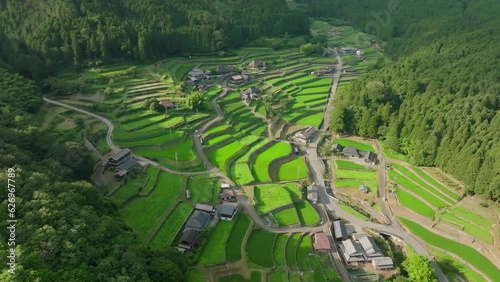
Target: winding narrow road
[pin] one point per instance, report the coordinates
(315, 163)
(330, 202)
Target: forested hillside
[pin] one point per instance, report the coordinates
(66, 230)
(439, 101)
(39, 35)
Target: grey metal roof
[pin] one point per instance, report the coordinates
(127, 164)
(339, 229)
(228, 209)
(120, 155)
(383, 262)
(312, 193)
(369, 246)
(349, 150)
(198, 220)
(190, 237)
(204, 207)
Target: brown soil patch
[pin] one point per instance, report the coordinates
(97, 97)
(66, 124)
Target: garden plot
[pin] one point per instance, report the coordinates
(171, 226)
(144, 213)
(270, 197)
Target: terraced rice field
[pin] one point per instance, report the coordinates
(279, 250)
(240, 172)
(424, 194)
(153, 173)
(260, 248)
(271, 196)
(145, 212)
(171, 226)
(352, 211)
(413, 177)
(133, 186)
(467, 227)
(341, 164)
(290, 250)
(233, 246)
(414, 204)
(307, 214)
(260, 164)
(303, 249)
(204, 188)
(466, 253)
(287, 217)
(292, 170)
(215, 249)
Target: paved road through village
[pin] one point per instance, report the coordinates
(316, 164)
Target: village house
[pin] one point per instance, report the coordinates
(323, 71)
(228, 210)
(349, 70)
(304, 136)
(321, 242)
(250, 93)
(339, 230)
(348, 50)
(198, 220)
(239, 78)
(256, 63)
(382, 263)
(337, 148)
(362, 248)
(168, 104)
(119, 157)
(369, 158)
(350, 151)
(226, 195)
(190, 239)
(223, 69)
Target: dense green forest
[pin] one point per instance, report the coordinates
(439, 101)
(66, 230)
(37, 36)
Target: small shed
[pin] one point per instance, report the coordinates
(226, 195)
(228, 210)
(383, 263)
(205, 208)
(188, 194)
(363, 189)
(225, 186)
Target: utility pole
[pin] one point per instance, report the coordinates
(176, 163)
